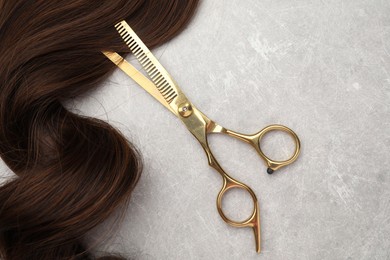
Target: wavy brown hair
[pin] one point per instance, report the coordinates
(71, 171)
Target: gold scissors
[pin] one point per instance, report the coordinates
(167, 92)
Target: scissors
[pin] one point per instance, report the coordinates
(163, 88)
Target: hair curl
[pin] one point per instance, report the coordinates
(71, 171)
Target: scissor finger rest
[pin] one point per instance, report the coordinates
(253, 220)
(274, 164)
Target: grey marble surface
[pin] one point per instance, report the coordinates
(319, 67)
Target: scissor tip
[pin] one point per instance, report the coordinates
(270, 171)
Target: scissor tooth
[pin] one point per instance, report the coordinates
(160, 81)
(152, 68)
(167, 91)
(139, 49)
(143, 59)
(126, 37)
(154, 74)
(148, 64)
(172, 95)
(135, 49)
(122, 30)
(132, 44)
(157, 77)
(164, 86)
(140, 57)
(171, 90)
(138, 52)
(163, 90)
(167, 94)
(141, 52)
(128, 43)
(169, 100)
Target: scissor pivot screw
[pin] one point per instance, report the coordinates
(185, 110)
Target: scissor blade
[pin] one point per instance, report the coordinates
(158, 74)
(138, 77)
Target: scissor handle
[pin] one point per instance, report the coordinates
(253, 221)
(255, 140)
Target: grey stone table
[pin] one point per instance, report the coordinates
(319, 67)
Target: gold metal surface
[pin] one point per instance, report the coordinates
(166, 91)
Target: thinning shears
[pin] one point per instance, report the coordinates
(163, 88)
